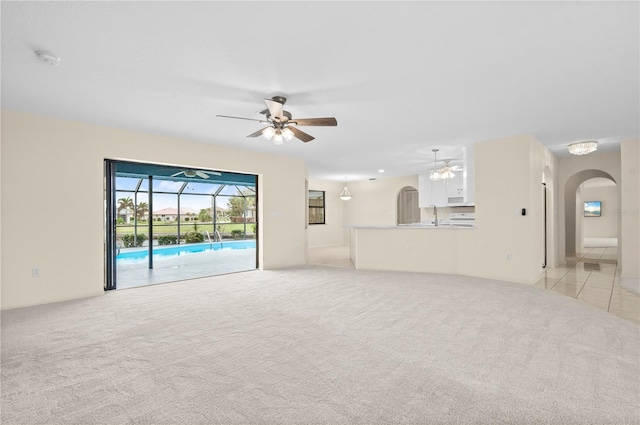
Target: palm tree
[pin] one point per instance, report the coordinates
(125, 204)
(143, 209)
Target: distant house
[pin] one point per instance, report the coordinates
(171, 214)
(186, 214)
(222, 213)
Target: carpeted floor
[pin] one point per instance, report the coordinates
(324, 345)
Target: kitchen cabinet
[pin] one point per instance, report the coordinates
(455, 189)
(458, 191)
(431, 193)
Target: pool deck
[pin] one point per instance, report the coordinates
(184, 267)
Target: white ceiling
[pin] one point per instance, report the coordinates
(401, 78)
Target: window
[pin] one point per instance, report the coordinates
(316, 207)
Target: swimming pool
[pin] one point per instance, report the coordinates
(172, 251)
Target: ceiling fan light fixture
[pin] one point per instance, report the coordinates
(583, 148)
(446, 172)
(268, 133)
(278, 138)
(288, 134)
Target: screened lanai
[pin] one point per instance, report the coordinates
(174, 223)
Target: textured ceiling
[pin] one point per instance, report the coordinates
(401, 78)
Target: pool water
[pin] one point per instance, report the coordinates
(172, 251)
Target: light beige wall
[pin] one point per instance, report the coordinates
(333, 231)
(630, 209)
(51, 167)
(605, 226)
(506, 245)
(374, 202)
(579, 222)
(549, 177)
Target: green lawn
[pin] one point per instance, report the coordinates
(172, 228)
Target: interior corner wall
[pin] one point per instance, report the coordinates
(505, 244)
(630, 209)
(374, 202)
(331, 233)
(53, 201)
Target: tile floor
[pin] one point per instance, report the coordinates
(592, 278)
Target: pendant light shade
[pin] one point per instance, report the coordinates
(345, 195)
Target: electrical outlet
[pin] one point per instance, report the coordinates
(35, 272)
(508, 256)
(408, 248)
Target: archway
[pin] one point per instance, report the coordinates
(596, 226)
(570, 207)
(408, 210)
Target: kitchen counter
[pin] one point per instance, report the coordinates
(415, 226)
(419, 248)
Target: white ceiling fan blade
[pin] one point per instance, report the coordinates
(201, 174)
(213, 173)
(275, 109)
(177, 174)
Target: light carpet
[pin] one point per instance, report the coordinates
(321, 345)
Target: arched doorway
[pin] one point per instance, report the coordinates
(573, 225)
(596, 225)
(408, 210)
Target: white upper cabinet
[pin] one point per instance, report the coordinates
(458, 191)
(431, 193)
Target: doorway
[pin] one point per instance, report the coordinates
(596, 228)
(575, 210)
(166, 224)
(408, 209)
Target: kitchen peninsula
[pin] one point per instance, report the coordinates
(415, 248)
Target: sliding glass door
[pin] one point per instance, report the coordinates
(168, 224)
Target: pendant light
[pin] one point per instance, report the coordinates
(434, 173)
(345, 195)
(443, 173)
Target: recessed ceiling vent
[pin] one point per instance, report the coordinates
(48, 58)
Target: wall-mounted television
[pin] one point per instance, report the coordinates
(592, 209)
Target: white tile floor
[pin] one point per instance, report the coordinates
(591, 278)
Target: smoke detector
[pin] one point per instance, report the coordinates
(48, 57)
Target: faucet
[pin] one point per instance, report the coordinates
(435, 213)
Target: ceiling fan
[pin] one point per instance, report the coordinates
(280, 124)
(197, 173)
